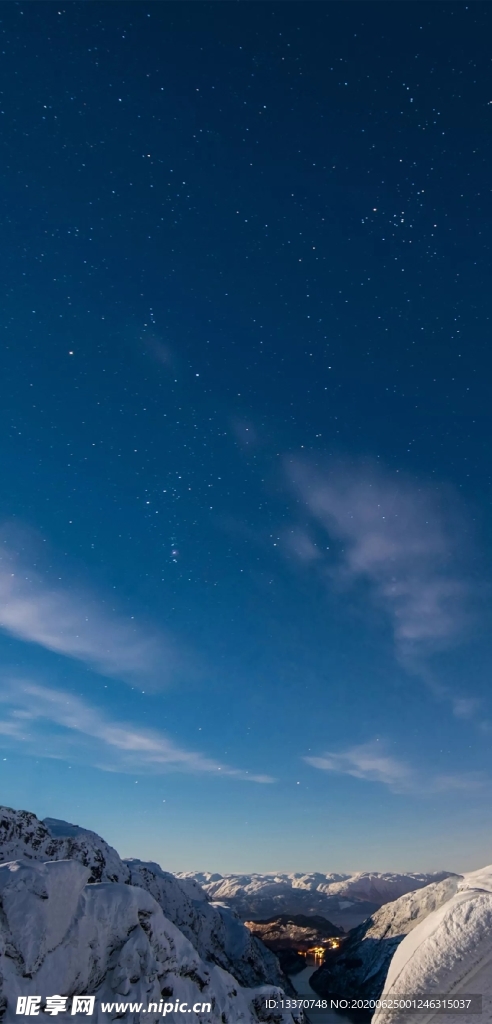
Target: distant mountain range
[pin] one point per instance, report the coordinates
(346, 900)
(77, 919)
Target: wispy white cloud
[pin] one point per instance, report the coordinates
(73, 622)
(462, 782)
(398, 537)
(367, 761)
(56, 723)
(406, 543)
(371, 763)
(300, 544)
(11, 729)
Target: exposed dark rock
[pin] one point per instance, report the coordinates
(290, 961)
(294, 931)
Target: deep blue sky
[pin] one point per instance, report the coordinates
(245, 429)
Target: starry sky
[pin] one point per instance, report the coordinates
(245, 542)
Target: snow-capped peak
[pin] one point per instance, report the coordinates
(132, 932)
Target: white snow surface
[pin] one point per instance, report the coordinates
(214, 930)
(62, 936)
(259, 896)
(448, 953)
(23, 835)
(362, 966)
(216, 933)
(365, 885)
(77, 919)
(379, 888)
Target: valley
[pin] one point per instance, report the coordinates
(75, 915)
(303, 988)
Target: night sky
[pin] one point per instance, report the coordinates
(245, 373)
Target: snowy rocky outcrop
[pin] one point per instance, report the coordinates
(61, 936)
(346, 900)
(448, 953)
(219, 940)
(23, 835)
(360, 968)
(215, 931)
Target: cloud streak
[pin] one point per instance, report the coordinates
(75, 624)
(369, 762)
(45, 718)
(396, 537)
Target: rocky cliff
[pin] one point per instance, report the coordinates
(360, 969)
(77, 919)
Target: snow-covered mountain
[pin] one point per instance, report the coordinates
(75, 918)
(361, 967)
(344, 899)
(448, 953)
(23, 835)
(379, 888)
(62, 936)
(78, 919)
(215, 932)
